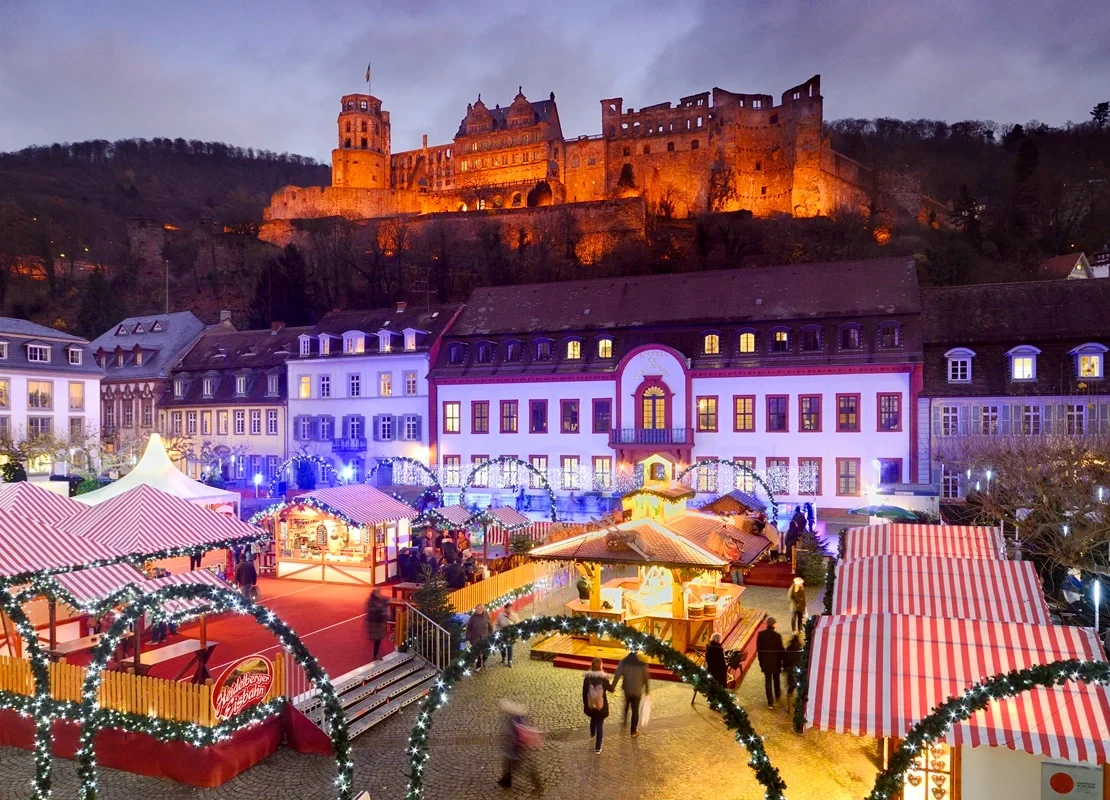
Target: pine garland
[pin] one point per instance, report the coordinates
(718, 697)
(803, 676)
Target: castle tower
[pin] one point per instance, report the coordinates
(361, 159)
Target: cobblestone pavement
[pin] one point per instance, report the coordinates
(684, 752)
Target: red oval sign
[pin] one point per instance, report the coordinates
(244, 684)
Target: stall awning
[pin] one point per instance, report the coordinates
(90, 585)
(196, 576)
(30, 500)
(459, 516)
(27, 545)
(972, 588)
(640, 542)
(363, 504)
(949, 541)
(879, 674)
(147, 520)
(504, 516)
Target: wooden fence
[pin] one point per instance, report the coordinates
(484, 592)
(129, 693)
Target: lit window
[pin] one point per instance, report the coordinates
(385, 384)
(780, 342)
(1089, 361)
(707, 413)
(452, 470)
(574, 350)
(605, 348)
(305, 391)
(712, 344)
(603, 473)
(1023, 363)
(354, 344)
(452, 417)
(410, 383)
(747, 342)
(571, 475)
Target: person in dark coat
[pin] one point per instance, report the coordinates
(450, 551)
(595, 700)
(478, 627)
(377, 615)
(769, 650)
(246, 576)
(715, 660)
(791, 662)
(456, 578)
(634, 671)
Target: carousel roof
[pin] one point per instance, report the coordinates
(34, 501)
(363, 503)
(642, 541)
(720, 537)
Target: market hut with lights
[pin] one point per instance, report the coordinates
(347, 534)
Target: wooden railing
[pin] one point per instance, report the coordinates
(129, 693)
(484, 592)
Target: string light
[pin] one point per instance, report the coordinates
(736, 465)
(477, 468)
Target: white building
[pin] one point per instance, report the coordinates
(358, 386)
(804, 374)
(49, 389)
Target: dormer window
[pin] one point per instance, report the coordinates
(75, 356)
(385, 345)
(306, 345)
(139, 328)
(605, 347)
(513, 350)
(483, 354)
(119, 359)
(121, 330)
(747, 342)
(410, 341)
(890, 335)
(156, 327)
(711, 344)
(543, 350)
(271, 384)
(1023, 363)
(206, 387)
(850, 338)
(38, 352)
(574, 350)
(354, 343)
(811, 339)
(1090, 361)
(456, 353)
(780, 341)
(3, 350)
(138, 358)
(179, 388)
(959, 364)
(240, 385)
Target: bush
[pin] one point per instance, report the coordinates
(306, 475)
(215, 479)
(520, 544)
(87, 485)
(13, 472)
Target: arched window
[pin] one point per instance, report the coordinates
(747, 342)
(456, 353)
(1023, 362)
(574, 350)
(850, 337)
(484, 353)
(543, 350)
(711, 345)
(780, 341)
(1090, 361)
(890, 335)
(811, 339)
(513, 350)
(605, 347)
(654, 401)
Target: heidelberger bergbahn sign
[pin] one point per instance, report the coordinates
(245, 683)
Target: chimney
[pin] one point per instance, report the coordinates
(425, 141)
(401, 306)
(276, 326)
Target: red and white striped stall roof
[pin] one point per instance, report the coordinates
(958, 588)
(455, 515)
(146, 520)
(31, 500)
(880, 674)
(27, 545)
(363, 503)
(193, 577)
(507, 517)
(948, 541)
(90, 585)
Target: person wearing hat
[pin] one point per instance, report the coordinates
(769, 651)
(796, 596)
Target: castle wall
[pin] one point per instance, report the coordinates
(584, 169)
(297, 202)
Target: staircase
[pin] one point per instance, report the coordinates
(374, 692)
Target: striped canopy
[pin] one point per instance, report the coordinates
(949, 541)
(955, 588)
(196, 576)
(148, 520)
(27, 545)
(363, 503)
(879, 674)
(504, 516)
(87, 586)
(453, 515)
(31, 500)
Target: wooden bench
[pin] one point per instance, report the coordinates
(68, 648)
(201, 651)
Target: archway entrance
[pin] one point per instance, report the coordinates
(483, 469)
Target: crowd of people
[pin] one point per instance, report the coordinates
(445, 553)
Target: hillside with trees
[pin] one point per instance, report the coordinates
(1018, 194)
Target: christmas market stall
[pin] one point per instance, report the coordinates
(947, 541)
(348, 534)
(31, 500)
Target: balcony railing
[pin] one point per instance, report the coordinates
(355, 444)
(649, 436)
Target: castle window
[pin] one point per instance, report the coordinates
(363, 142)
(627, 152)
(797, 96)
(670, 147)
(758, 166)
(348, 126)
(699, 121)
(364, 126)
(591, 161)
(647, 149)
(757, 104)
(774, 119)
(362, 105)
(350, 105)
(694, 144)
(347, 142)
(763, 190)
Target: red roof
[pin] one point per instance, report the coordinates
(364, 504)
(951, 541)
(637, 542)
(34, 501)
(507, 517)
(27, 545)
(455, 515)
(89, 585)
(879, 674)
(146, 520)
(952, 588)
(196, 576)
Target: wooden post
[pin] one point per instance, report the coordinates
(595, 586)
(138, 643)
(204, 630)
(400, 614)
(678, 597)
(53, 624)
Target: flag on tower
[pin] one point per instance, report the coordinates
(368, 72)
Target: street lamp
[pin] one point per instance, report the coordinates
(348, 473)
(1098, 600)
(257, 480)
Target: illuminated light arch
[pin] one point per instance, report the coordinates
(718, 697)
(475, 469)
(310, 457)
(737, 466)
(92, 718)
(957, 709)
(391, 460)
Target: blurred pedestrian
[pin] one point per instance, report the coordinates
(377, 618)
(791, 664)
(506, 619)
(520, 736)
(634, 672)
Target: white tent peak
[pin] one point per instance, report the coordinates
(155, 469)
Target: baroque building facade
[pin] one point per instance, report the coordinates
(712, 151)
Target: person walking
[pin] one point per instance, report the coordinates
(794, 534)
(506, 619)
(595, 700)
(634, 672)
(377, 617)
(520, 736)
(194, 558)
(791, 662)
(246, 577)
(796, 595)
(769, 650)
(715, 660)
(478, 627)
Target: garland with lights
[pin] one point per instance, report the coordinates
(718, 697)
(940, 720)
(803, 676)
(307, 502)
(310, 457)
(391, 460)
(744, 468)
(481, 465)
(216, 599)
(830, 584)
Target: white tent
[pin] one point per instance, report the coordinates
(155, 469)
